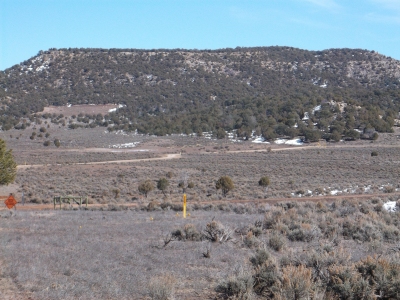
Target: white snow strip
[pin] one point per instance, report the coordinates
(259, 140)
(295, 142)
(126, 145)
(280, 141)
(335, 192)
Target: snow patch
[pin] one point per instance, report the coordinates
(116, 108)
(335, 192)
(126, 145)
(295, 142)
(390, 206)
(259, 140)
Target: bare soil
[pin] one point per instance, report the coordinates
(79, 109)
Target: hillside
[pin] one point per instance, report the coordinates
(267, 90)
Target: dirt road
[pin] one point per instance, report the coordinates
(167, 156)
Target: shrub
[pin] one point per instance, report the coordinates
(259, 258)
(250, 240)
(388, 189)
(153, 205)
(191, 233)
(374, 153)
(216, 232)
(57, 143)
(296, 283)
(266, 277)
(238, 286)
(276, 242)
(264, 181)
(46, 143)
(162, 287)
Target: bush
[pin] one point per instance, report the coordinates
(191, 233)
(216, 232)
(238, 286)
(266, 277)
(259, 258)
(296, 283)
(374, 153)
(250, 240)
(46, 143)
(162, 287)
(264, 181)
(276, 242)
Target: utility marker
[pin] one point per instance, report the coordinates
(184, 206)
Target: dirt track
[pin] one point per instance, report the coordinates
(168, 156)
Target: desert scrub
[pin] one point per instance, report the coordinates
(162, 287)
(188, 233)
(237, 286)
(276, 242)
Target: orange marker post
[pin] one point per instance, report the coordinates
(184, 206)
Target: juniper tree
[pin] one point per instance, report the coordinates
(224, 183)
(146, 187)
(264, 182)
(8, 167)
(162, 184)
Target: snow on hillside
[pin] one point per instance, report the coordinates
(390, 206)
(294, 142)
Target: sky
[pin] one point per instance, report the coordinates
(28, 26)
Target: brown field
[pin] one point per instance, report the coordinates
(115, 249)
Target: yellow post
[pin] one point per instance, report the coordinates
(184, 205)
